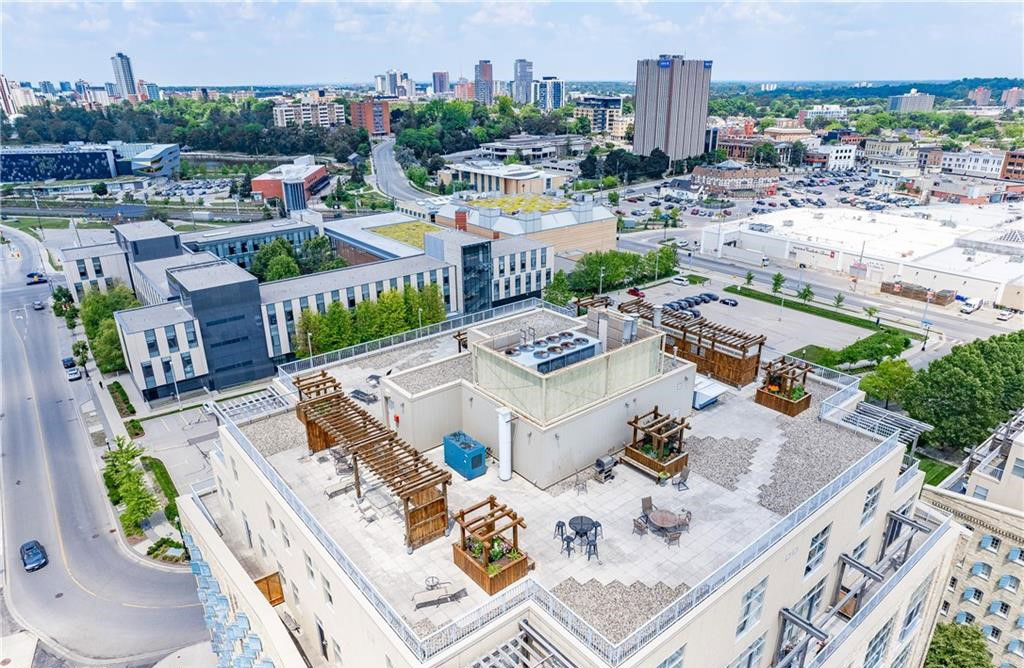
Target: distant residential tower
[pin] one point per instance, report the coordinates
(123, 74)
(671, 106)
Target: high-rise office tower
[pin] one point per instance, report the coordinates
(391, 82)
(671, 106)
(81, 86)
(111, 89)
(65, 87)
(380, 84)
(123, 74)
(522, 81)
(7, 102)
(483, 81)
(440, 83)
(47, 88)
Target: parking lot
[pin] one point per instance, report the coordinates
(786, 329)
(192, 189)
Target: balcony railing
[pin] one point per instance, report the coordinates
(865, 611)
(910, 469)
(529, 591)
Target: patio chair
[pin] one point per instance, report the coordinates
(597, 529)
(592, 549)
(684, 520)
(673, 538)
(680, 480)
(568, 546)
(559, 529)
(580, 485)
(646, 506)
(639, 527)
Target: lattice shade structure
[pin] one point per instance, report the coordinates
(584, 303)
(657, 445)
(783, 387)
(485, 552)
(730, 355)
(334, 420)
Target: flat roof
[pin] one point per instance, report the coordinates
(288, 171)
(153, 151)
(150, 317)
(146, 229)
(155, 271)
(523, 140)
(209, 274)
(348, 277)
(508, 245)
(513, 223)
(734, 497)
(245, 230)
(458, 237)
(96, 250)
(518, 172)
(975, 263)
(359, 232)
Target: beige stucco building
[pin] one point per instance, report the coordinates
(496, 177)
(986, 495)
(806, 545)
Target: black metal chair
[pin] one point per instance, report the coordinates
(592, 549)
(597, 530)
(639, 527)
(559, 529)
(568, 545)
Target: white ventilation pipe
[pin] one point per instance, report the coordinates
(504, 443)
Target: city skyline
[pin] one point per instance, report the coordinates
(395, 35)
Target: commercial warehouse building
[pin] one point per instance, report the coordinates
(529, 149)
(78, 161)
(822, 558)
(972, 261)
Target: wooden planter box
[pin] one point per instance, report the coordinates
(492, 584)
(782, 404)
(652, 466)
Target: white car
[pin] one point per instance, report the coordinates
(74, 373)
(1004, 316)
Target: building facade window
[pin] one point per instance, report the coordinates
(328, 595)
(981, 569)
(980, 492)
(97, 267)
(147, 375)
(190, 334)
(750, 608)
(913, 615)
(321, 307)
(674, 660)
(870, 504)
(1018, 467)
(186, 364)
(878, 646)
(816, 552)
(1009, 583)
(990, 543)
(172, 338)
(82, 273)
(861, 550)
(151, 344)
(751, 656)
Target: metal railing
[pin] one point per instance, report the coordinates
(908, 474)
(530, 591)
(881, 593)
(286, 371)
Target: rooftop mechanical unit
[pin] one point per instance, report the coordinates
(465, 454)
(760, 227)
(554, 351)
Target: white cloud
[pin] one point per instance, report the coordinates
(504, 14)
(94, 24)
(646, 20)
(866, 33)
(349, 25)
(198, 36)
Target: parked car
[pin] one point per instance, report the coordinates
(68, 362)
(694, 312)
(694, 212)
(679, 280)
(635, 292)
(729, 302)
(33, 556)
(710, 296)
(34, 274)
(1004, 316)
(74, 373)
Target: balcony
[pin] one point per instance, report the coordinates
(810, 643)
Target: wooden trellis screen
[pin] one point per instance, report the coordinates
(592, 302)
(663, 430)
(333, 419)
(730, 355)
(781, 375)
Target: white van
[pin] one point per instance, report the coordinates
(970, 306)
(680, 280)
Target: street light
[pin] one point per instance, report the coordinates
(600, 282)
(309, 343)
(924, 318)
(419, 314)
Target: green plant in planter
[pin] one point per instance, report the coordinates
(493, 569)
(797, 392)
(513, 554)
(477, 549)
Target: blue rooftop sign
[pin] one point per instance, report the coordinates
(665, 62)
(707, 64)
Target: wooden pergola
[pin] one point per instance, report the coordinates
(487, 522)
(782, 375)
(592, 302)
(333, 419)
(728, 354)
(664, 431)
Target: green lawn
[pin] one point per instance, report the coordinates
(810, 353)
(694, 279)
(934, 470)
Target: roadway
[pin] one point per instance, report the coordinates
(389, 176)
(905, 313)
(94, 602)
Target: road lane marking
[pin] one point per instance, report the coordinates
(57, 524)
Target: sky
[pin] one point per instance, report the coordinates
(275, 43)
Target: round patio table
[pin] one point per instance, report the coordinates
(581, 525)
(663, 519)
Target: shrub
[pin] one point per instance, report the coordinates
(163, 479)
(113, 493)
(134, 428)
(130, 526)
(120, 398)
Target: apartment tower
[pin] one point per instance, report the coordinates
(522, 81)
(671, 105)
(123, 74)
(484, 82)
(440, 83)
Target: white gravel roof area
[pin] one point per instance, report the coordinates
(433, 375)
(543, 321)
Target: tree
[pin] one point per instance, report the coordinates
(749, 279)
(70, 316)
(281, 267)
(106, 348)
(765, 123)
(80, 351)
(100, 189)
(309, 329)
(766, 154)
(557, 291)
(61, 300)
(656, 164)
(417, 175)
(261, 261)
(245, 187)
(838, 300)
(778, 280)
(391, 313)
(337, 330)
(613, 198)
(958, 646)
(888, 381)
(432, 303)
(797, 152)
(966, 393)
(366, 322)
(317, 254)
(805, 293)
(139, 502)
(588, 167)
(871, 311)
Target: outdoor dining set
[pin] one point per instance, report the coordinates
(663, 522)
(582, 530)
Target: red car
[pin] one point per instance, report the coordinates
(634, 292)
